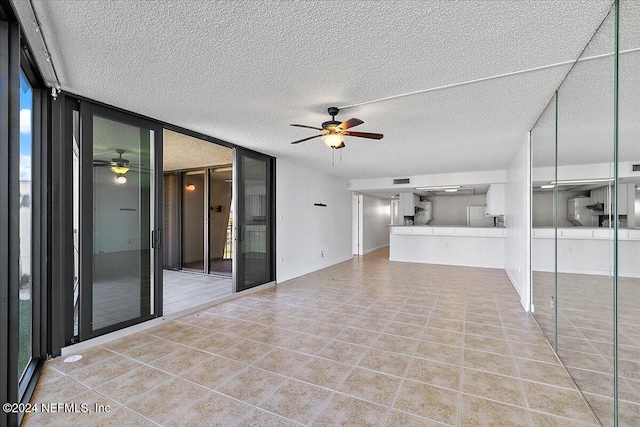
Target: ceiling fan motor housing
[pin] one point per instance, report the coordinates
(330, 125)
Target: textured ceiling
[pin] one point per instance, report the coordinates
(242, 71)
(180, 152)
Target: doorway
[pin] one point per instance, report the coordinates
(198, 221)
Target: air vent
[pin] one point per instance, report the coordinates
(401, 181)
(635, 167)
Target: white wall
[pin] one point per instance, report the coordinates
(376, 217)
(518, 223)
(308, 237)
(452, 210)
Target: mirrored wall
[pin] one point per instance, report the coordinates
(585, 246)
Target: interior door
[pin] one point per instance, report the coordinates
(254, 227)
(120, 196)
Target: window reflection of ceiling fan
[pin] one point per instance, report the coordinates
(118, 165)
(333, 132)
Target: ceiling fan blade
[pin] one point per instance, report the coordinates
(350, 123)
(98, 162)
(305, 126)
(364, 134)
(306, 139)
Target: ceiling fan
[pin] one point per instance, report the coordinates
(333, 131)
(117, 165)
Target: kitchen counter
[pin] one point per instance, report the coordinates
(466, 246)
(585, 250)
(443, 226)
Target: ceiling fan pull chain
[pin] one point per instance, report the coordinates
(333, 156)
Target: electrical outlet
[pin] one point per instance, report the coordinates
(552, 302)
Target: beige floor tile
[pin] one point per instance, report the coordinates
(93, 355)
(493, 387)
(484, 330)
(343, 352)
(533, 352)
(215, 343)
(251, 385)
(412, 319)
(213, 371)
(283, 362)
(153, 350)
(403, 330)
(476, 412)
(188, 335)
(304, 343)
(491, 345)
(397, 418)
(490, 362)
(396, 344)
(371, 386)
(133, 384)
(556, 401)
(546, 420)
(347, 411)
(446, 324)
(212, 410)
(163, 403)
(181, 360)
(57, 390)
(439, 352)
(324, 373)
(326, 330)
(547, 373)
(428, 401)
(103, 371)
(247, 351)
(443, 337)
(120, 417)
(357, 336)
(296, 400)
(435, 373)
(385, 362)
(266, 419)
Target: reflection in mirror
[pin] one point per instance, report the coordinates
(543, 140)
(584, 185)
(628, 196)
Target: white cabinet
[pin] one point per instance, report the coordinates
(408, 203)
(495, 200)
(605, 196)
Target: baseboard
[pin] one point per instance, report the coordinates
(376, 249)
(338, 261)
(523, 296)
(103, 339)
(422, 261)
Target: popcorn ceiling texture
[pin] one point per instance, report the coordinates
(242, 71)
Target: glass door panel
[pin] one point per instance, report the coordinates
(25, 303)
(220, 222)
(193, 221)
(118, 216)
(254, 255)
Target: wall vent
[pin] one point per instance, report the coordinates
(635, 167)
(401, 181)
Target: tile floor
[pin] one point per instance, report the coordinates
(363, 343)
(183, 290)
(585, 338)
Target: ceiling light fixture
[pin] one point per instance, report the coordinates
(450, 190)
(190, 187)
(547, 186)
(442, 187)
(580, 181)
(121, 179)
(224, 169)
(333, 139)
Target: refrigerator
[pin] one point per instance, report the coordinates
(476, 216)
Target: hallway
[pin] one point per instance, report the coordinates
(364, 342)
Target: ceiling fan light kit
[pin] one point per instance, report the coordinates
(333, 131)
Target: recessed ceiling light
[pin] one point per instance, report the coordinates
(581, 181)
(547, 186)
(450, 190)
(442, 187)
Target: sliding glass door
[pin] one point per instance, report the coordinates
(255, 220)
(120, 236)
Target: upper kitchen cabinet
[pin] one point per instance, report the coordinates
(408, 203)
(604, 196)
(495, 200)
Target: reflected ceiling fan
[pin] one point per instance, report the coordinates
(117, 165)
(333, 131)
